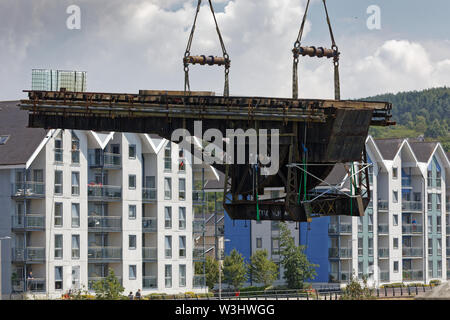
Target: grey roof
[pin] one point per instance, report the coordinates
(22, 141)
(422, 150)
(336, 175)
(388, 147)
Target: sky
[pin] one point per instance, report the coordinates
(126, 46)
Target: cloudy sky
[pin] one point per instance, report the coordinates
(138, 44)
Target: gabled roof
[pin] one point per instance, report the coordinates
(22, 141)
(422, 150)
(389, 147)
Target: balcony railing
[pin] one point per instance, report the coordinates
(28, 189)
(412, 206)
(104, 192)
(149, 224)
(341, 253)
(28, 222)
(105, 160)
(412, 275)
(28, 255)
(412, 252)
(148, 194)
(340, 228)
(105, 253)
(149, 282)
(412, 229)
(384, 276)
(339, 276)
(149, 253)
(383, 205)
(105, 224)
(383, 229)
(383, 252)
(199, 281)
(29, 285)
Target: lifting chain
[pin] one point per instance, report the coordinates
(315, 52)
(188, 59)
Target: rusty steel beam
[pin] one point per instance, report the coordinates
(209, 60)
(316, 52)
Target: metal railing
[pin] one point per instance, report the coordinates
(412, 252)
(340, 253)
(149, 194)
(105, 160)
(30, 254)
(149, 224)
(28, 189)
(149, 253)
(105, 224)
(104, 192)
(104, 253)
(383, 252)
(383, 229)
(150, 282)
(412, 229)
(412, 206)
(383, 205)
(340, 228)
(412, 275)
(29, 221)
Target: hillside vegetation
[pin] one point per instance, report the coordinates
(418, 114)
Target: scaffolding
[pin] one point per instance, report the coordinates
(55, 80)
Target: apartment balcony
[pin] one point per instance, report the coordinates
(104, 160)
(28, 222)
(104, 193)
(104, 224)
(447, 208)
(384, 276)
(383, 229)
(336, 277)
(412, 229)
(199, 281)
(105, 254)
(28, 255)
(149, 224)
(198, 226)
(412, 275)
(36, 285)
(406, 182)
(149, 254)
(383, 253)
(30, 190)
(412, 206)
(150, 282)
(343, 228)
(383, 205)
(342, 253)
(149, 194)
(409, 252)
(92, 280)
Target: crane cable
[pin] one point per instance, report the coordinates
(187, 87)
(296, 52)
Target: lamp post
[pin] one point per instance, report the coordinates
(1, 266)
(221, 254)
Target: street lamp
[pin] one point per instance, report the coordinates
(1, 262)
(220, 269)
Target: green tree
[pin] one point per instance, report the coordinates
(262, 269)
(234, 269)
(212, 272)
(297, 268)
(355, 291)
(108, 288)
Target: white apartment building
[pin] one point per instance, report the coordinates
(78, 203)
(404, 235)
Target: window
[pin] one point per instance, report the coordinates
(76, 277)
(258, 243)
(58, 182)
(59, 148)
(395, 266)
(132, 151)
(438, 179)
(75, 183)
(75, 215)
(395, 216)
(58, 246)
(132, 212)
(439, 246)
(430, 246)
(394, 173)
(182, 276)
(168, 247)
(168, 217)
(182, 218)
(438, 203)
(132, 272)
(395, 196)
(395, 243)
(58, 214)
(75, 149)
(430, 202)
(182, 189)
(182, 248)
(438, 224)
(371, 247)
(3, 139)
(75, 246)
(131, 181)
(58, 278)
(168, 157)
(430, 223)
(132, 242)
(360, 246)
(168, 276)
(275, 246)
(167, 188)
(429, 178)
